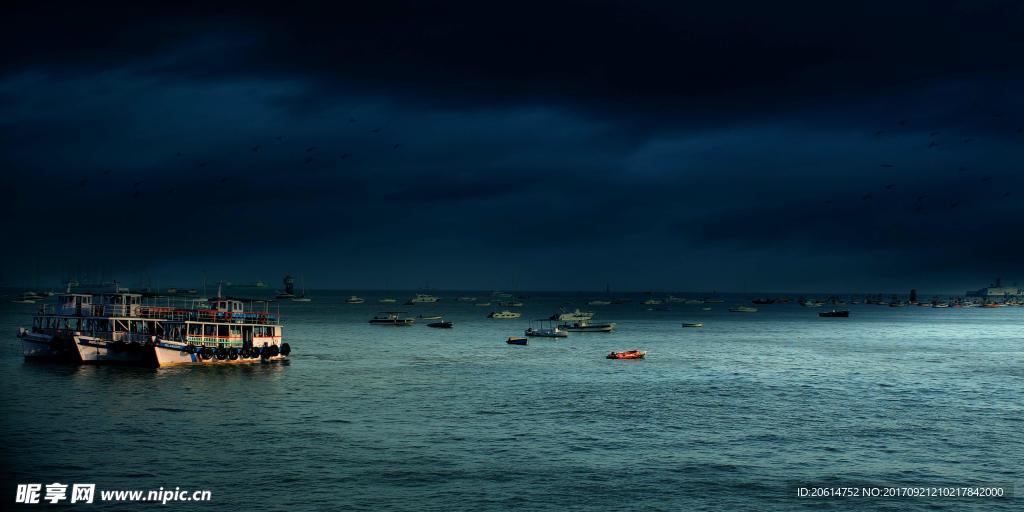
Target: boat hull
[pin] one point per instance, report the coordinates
(175, 354)
(44, 347)
(92, 350)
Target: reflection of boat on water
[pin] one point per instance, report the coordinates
(629, 354)
(586, 326)
(391, 318)
(504, 315)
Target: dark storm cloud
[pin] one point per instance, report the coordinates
(629, 142)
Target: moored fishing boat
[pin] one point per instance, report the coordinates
(629, 354)
(118, 328)
(572, 315)
(834, 314)
(743, 309)
(391, 318)
(504, 315)
(586, 326)
(693, 324)
(544, 330)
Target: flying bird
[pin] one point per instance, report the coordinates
(932, 134)
(256, 148)
(865, 197)
(375, 130)
(986, 179)
(968, 140)
(903, 122)
(279, 138)
(879, 133)
(395, 146)
(309, 160)
(887, 165)
(932, 144)
(351, 119)
(310, 149)
(953, 205)
(106, 172)
(889, 186)
(344, 156)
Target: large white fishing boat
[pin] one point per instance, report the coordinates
(118, 328)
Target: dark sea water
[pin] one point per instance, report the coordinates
(734, 416)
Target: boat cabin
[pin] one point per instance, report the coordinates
(227, 305)
(74, 304)
(121, 304)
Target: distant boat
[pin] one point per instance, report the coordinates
(353, 299)
(387, 300)
(301, 298)
(515, 340)
(834, 314)
(598, 302)
(433, 317)
(510, 304)
(421, 298)
(505, 315)
(572, 315)
(586, 326)
(693, 324)
(289, 288)
(763, 301)
(652, 302)
(743, 309)
(484, 304)
(441, 325)
(543, 331)
(629, 354)
(705, 308)
(466, 299)
(391, 318)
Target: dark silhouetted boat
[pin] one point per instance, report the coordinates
(441, 325)
(513, 340)
(834, 314)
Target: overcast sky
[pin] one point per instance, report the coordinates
(811, 146)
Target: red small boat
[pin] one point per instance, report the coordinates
(629, 354)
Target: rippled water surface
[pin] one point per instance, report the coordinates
(735, 416)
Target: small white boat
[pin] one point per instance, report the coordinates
(353, 299)
(301, 298)
(598, 302)
(391, 318)
(484, 304)
(505, 315)
(743, 309)
(693, 324)
(432, 317)
(422, 298)
(387, 300)
(466, 299)
(705, 308)
(652, 302)
(572, 315)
